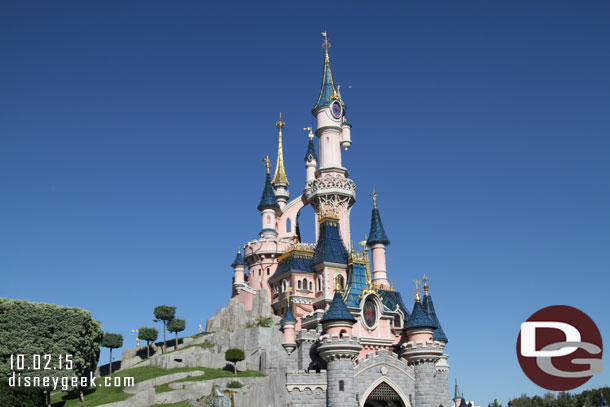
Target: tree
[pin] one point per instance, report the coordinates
(29, 328)
(234, 355)
(149, 335)
(112, 341)
(176, 325)
(164, 313)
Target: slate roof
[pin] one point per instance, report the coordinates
(239, 260)
(463, 403)
(337, 311)
(294, 262)
(419, 318)
(356, 282)
(439, 334)
(288, 317)
(377, 234)
(392, 298)
(330, 245)
(310, 154)
(328, 85)
(268, 198)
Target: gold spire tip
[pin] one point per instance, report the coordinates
(267, 164)
(325, 44)
(280, 124)
(310, 129)
(374, 195)
(426, 286)
(417, 297)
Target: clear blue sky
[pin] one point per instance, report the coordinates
(131, 138)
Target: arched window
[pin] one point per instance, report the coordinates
(342, 333)
(288, 226)
(268, 271)
(284, 285)
(299, 286)
(311, 286)
(319, 283)
(340, 281)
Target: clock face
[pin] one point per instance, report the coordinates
(336, 109)
(370, 313)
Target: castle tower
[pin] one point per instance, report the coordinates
(280, 180)
(239, 266)
(330, 256)
(311, 159)
(339, 349)
(457, 397)
(288, 324)
(423, 353)
(331, 185)
(377, 241)
(268, 206)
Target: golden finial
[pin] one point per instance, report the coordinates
(326, 44)
(267, 165)
(426, 286)
(338, 287)
(417, 297)
(310, 131)
(280, 172)
(374, 195)
(239, 250)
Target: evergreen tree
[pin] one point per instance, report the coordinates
(176, 325)
(149, 335)
(164, 313)
(112, 341)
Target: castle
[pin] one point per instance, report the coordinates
(349, 338)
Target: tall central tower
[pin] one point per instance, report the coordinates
(332, 190)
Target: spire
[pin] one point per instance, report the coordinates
(268, 198)
(280, 172)
(419, 318)
(327, 90)
(439, 334)
(456, 394)
(239, 260)
(337, 310)
(377, 234)
(310, 154)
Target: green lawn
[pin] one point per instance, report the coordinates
(102, 395)
(210, 374)
(204, 345)
(178, 404)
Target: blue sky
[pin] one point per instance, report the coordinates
(132, 133)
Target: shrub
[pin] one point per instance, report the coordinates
(234, 385)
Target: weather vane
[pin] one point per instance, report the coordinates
(326, 44)
(267, 165)
(374, 195)
(310, 129)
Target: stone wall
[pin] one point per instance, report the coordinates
(383, 366)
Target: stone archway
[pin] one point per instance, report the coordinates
(384, 393)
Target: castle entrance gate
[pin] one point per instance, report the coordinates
(384, 396)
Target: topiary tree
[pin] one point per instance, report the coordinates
(234, 355)
(164, 313)
(30, 328)
(112, 341)
(176, 325)
(149, 335)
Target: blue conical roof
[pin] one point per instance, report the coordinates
(328, 85)
(330, 246)
(337, 311)
(419, 318)
(377, 234)
(463, 403)
(310, 154)
(268, 198)
(239, 260)
(439, 334)
(288, 317)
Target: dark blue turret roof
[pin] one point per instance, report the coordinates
(439, 334)
(337, 311)
(463, 403)
(239, 260)
(330, 245)
(268, 198)
(419, 318)
(377, 234)
(294, 262)
(288, 317)
(310, 154)
(328, 85)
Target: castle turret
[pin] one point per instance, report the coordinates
(280, 180)
(456, 395)
(377, 241)
(288, 324)
(268, 206)
(339, 349)
(330, 256)
(423, 353)
(311, 159)
(439, 334)
(239, 266)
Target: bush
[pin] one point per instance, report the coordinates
(234, 385)
(234, 355)
(20, 397)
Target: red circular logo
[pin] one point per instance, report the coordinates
(559, 348)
